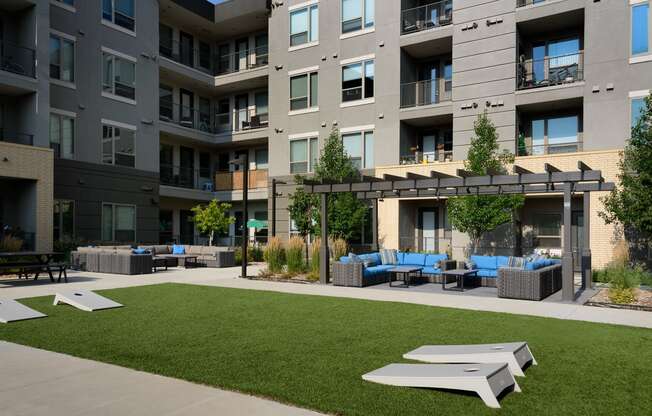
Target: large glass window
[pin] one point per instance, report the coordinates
(304, 25)
(357, 15)
(62, 59)
(118, 223)
(223, 116)
(355, 85)
(120, 12)
(63, 224)
(640, 28)
(118, 146)
(555, 135)
(360, 148)
(119, 76)
(304, 154)
(638, 106)
(165, 111)
(304, 91)
(62, 136)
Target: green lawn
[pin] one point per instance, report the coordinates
(311, 351)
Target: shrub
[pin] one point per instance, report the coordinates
(314, 256)
(294, 254)
(11, 244)
(339, 248)
(623, 280)
(274, 255)
(256, 253)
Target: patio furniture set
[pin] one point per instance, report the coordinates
(514, 277)
(26, 263)
(149, 259)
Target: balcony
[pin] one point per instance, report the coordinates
(532, 148)
(427, 17)
(422, 158)
(185, 116)
(15, 137)
(427, 92)
(550, 70)
(185, 177)
(242, 61)
(233, 181)
(17, 59)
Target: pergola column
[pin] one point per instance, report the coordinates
(374, 224)
(587, 277)
(324, 261)
(567, 284)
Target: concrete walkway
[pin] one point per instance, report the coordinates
(228, 278)
(37, 382)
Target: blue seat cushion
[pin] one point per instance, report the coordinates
(502, 261)
(414, 259)
(375, 270)
(485, 262)
(487, 273)
(433, 259)
(178, 249)
(431, 270)
(345, 259)
(399, 257)
(139, 251)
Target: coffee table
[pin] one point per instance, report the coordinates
(159, 263)
(459, 275)
(189, 260)
(405, 272)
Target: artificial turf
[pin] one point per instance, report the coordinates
(311, 351)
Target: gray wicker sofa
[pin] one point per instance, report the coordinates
(207, 256)
(111, 259)
(517, 283)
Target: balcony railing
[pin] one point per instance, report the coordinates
(15, 137)
(432, 91)
(428, 157)
(530, 149)
(233, 181)
(215, 64)
(551, 70)
(17, 59)
(427, 17)
(185, 116)
(523, 3)
(185, 177)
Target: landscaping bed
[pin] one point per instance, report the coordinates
(643, 300)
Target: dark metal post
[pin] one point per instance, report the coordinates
(273, 207)
(374, 224)
(245, 212)
(324, 261)
(587, 276)
(567, 279)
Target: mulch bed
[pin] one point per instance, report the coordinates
(301, 278)
(643, 301)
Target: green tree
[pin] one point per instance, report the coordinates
(304, 210)
(630, 204)
(479, 214)
(212, 218)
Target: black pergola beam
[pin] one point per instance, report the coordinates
(550, 168)
(583, 166)
(518, 170)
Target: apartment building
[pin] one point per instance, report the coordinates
(402, 81)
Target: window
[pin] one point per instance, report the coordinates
(304, 154)
(355, 86)
(62, 59)
(204, 55)
(118, 146)
(223, 115)
(640, 28)
(118, 223)
(119, 76)
(204, 165)
(63, 225)
(360, 148)
(548, 225)
(119, 12)
(555, 135)
(304, 91)
(357, 15)
(261, 158)
(165, 110)
(638, 105)
(165, 41)
(304, 25)
(62, 136)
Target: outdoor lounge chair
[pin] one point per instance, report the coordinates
(487, 380)
(516, 354)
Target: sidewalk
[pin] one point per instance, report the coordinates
(38, 382)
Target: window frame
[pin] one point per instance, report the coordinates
(113, 206)
(312, 103)
(364, 28)
(363, 132)
(113, 125)
(312, 145)
(112, 22)
(632, 5)
(363, 62)
(309, 9)
(635, 96)
(546, 135)
(61, 115)
(536, 224)
(111, 91)
(63, 37)
(58, 224)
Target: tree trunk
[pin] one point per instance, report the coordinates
(305, 240)
(210, 239)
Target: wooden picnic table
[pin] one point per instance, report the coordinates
(42, 262)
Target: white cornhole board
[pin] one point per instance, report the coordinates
(515, 354)
(487, 380)
(85, 300)
(11, 311)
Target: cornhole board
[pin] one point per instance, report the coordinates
(85, 300)
(515, 354)
(487, 380)
(11, 311)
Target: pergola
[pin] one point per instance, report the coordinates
(553, 181)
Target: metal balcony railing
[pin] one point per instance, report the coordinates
(17, 59)
(523, 3)
(550, 70)
(185, 177)
(427, 157)
(530, 149)
(431, 91)
(197, 58)
(15, 137)
(242, 60)
(185, 116)
(426, 17)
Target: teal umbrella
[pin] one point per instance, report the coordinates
(257, 224)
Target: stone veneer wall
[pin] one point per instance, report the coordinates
(35, 163)
(603, 236)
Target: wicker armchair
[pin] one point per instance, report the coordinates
(352, 274)
(528, 284)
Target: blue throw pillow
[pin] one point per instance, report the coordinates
(178, 249)
(139, 251)
(353, 258)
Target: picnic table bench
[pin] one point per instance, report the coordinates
(42, 263)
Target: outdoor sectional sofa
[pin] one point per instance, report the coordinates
(207, 256)
(356, 274)
(111, 259)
